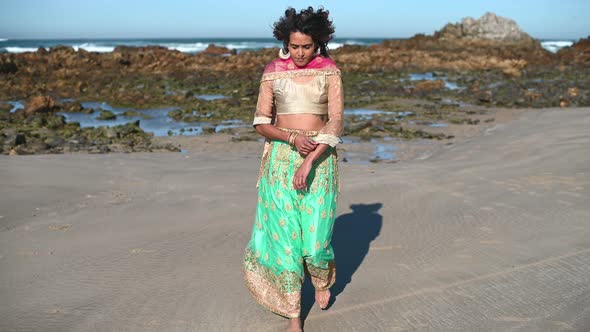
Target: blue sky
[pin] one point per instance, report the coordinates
(243, 18)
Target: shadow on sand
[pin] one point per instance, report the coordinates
(353, 233)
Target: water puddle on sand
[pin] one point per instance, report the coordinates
(366, 114)
(429, 124)
(376, 150)
(429, 76)
(210, 97)
(16, 105)
(384, 152)
(155, 120)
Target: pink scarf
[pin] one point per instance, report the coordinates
(317, 63)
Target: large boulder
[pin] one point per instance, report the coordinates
(429, 85)
(488, 27)
(40, 104)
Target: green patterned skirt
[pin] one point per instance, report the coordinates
(292, 229)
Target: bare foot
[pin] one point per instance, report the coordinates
(322, 297)
(294, 325)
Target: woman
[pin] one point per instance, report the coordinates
(299, 111)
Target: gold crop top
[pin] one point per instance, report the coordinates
(292, 97)
(321, 95)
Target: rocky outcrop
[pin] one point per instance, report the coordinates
(488, 27)
(491, 42)
(577, 54)
(432, 55)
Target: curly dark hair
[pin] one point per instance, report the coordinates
(312, 23)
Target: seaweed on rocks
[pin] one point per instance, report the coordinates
(47, 132)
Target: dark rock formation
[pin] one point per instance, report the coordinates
(577, 54)
(7, 66)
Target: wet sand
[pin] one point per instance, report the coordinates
(491, 233)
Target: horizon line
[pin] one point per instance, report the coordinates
(241, 37)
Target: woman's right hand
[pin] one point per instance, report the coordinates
(304, 144)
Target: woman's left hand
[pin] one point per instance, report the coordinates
(304, 144)
(300, 176)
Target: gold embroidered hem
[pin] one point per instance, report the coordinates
(298, 73)
(322, 279)
(278, 293)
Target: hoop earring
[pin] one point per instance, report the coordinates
(284, 55)
(318, 51)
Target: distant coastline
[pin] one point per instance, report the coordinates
(196, 45)
(123, 95)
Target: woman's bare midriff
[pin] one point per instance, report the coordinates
(301, 121)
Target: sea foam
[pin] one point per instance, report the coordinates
(90, 47)
(186, 47)
(556, 45)
(16, 49)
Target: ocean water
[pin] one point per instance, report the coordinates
(186, 45)
(195, 45)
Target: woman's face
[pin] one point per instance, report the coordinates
(301, 47)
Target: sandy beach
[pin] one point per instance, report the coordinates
(489, 234)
